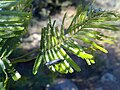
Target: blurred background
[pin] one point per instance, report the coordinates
(104, 75)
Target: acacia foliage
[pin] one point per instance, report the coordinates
(55, 42)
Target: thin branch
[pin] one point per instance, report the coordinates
(22, 60)
(23, 56)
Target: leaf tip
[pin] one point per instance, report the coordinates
(16, 76)
(34, 72)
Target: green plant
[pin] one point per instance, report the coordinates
(14, 22)
(55, 43)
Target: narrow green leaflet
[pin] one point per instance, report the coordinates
(96, 46)
(8, 46)
(40, 57)
(4, 4)
(108, 41)
(69, 60)
(15, 76)
(78, 52)
(102, 26)
(37, 64)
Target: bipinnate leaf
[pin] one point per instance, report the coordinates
(56, 42)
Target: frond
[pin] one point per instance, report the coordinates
(56, 43)
(50, 49)
(14, 20)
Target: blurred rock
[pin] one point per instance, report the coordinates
(31, 41)
(100, 88)
(63, 84)
(108, 77)
(108, 4)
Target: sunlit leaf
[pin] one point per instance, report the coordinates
(37, 64)
(99, 47)
(16, 76)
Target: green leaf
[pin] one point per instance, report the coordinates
(15, 76)
(92, 61)
(102, 26)
(72, 24)
(108, 41)
(41, 55)
(15, 13)
(8, 46)
(88, 61)
(77, 51)
(69, 60)
(71, 70)
(4, 4)
(62, 26)
(37, 63)
(99, 47)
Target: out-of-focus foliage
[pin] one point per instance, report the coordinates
(14, 22)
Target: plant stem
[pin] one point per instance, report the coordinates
(22, 60)
(29, 53)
